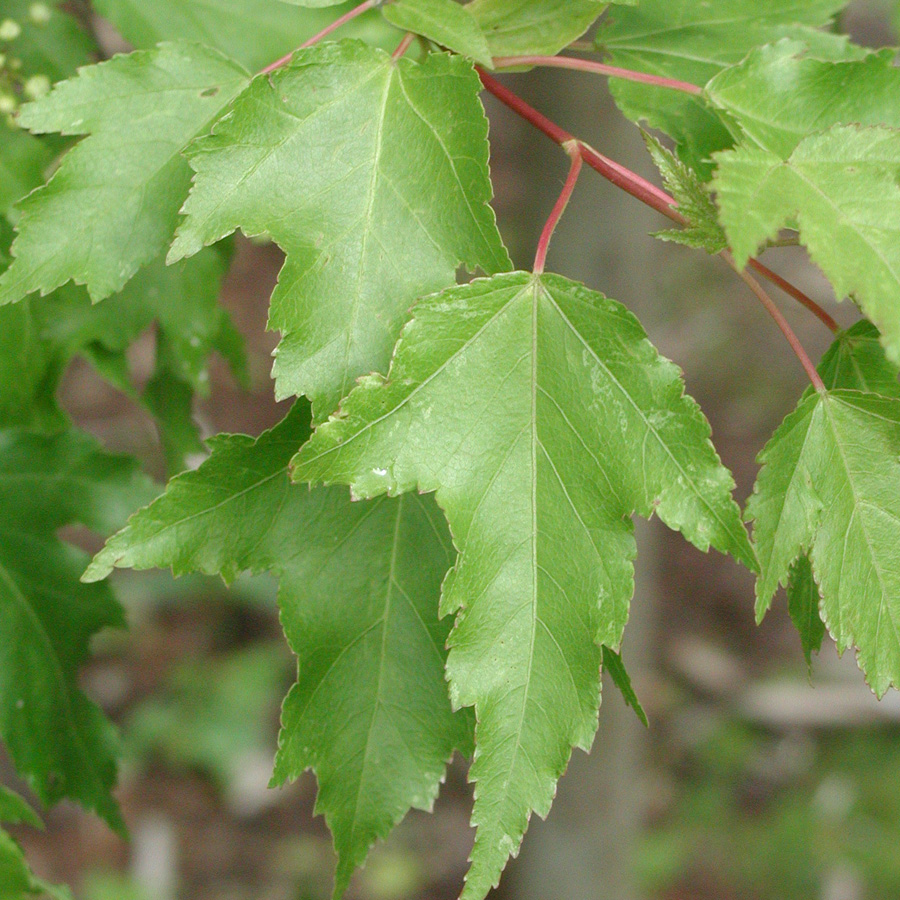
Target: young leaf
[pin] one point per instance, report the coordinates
(520, 27)
(841, 188)
(59, 741)
(359, 594)
(112, 205)
(695, 203)
(254, 33)
(828, 487)
(780, 95)
(692, 42)
(544, 418)
(443, 21)
(340, 156)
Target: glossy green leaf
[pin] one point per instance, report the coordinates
(781, 94)
(339, 157)
(692, 41)
(59, 741)
(842, 189)
(359, 593)
(517, 27)
(251, 32)
(544, 418)
(443, 21)
(828, 488)
(112, 206)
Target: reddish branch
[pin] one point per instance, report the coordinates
(404, 45)
(574, 151)
(780, 320)
(662, 202)
(337, 23)
(598, 68)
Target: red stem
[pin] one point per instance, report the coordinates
(796, 293)
(342, 20)
(574, 151)
(638, 187)
(588, 65)
(780, 320)
(403, 46)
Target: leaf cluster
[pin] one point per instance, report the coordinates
(448, 505)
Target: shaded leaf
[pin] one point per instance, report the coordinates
(615, 668)
(59, 741)
(803, 606)
(359, 594)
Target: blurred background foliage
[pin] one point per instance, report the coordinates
(757, 779)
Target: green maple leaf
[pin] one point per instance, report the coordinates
(544, 418)
(780, 94)
(251, 32)
(819, 189)
(828, 488)
(359, 595)
(339, 157)
(443, 21)
(59, 741)
(112, 206)
(692, 42)
(520, 27)
(855, 361)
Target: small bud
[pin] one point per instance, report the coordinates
(8, 104)
(10, 29)
(39, 13)
(36, 86)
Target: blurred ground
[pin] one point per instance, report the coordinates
(750, 783)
